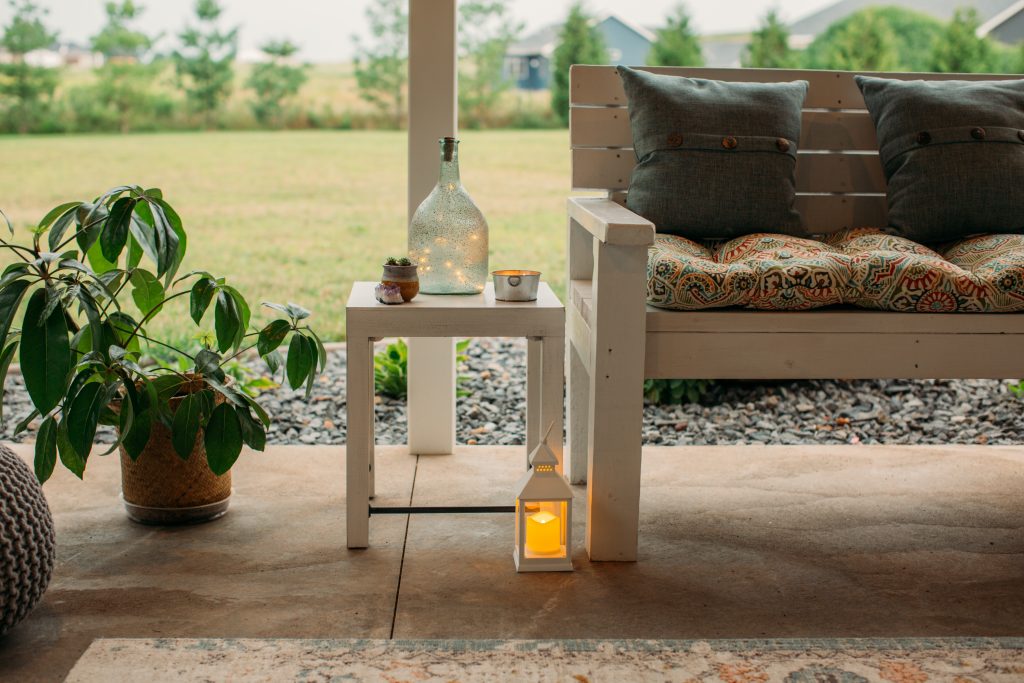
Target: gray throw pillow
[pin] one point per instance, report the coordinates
(714, 159)
(953, 155)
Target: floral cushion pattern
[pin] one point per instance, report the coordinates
(865, 267)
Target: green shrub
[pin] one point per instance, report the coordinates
(391, 369)
(675, 391)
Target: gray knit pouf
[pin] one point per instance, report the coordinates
(27, 541)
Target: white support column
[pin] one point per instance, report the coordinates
(433, 114)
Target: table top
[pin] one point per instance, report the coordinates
(442, 315)
(362, 296)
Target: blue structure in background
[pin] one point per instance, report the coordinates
(528, 62)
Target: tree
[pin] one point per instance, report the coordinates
(123, 84)
(769, 45)
(381, 68)
(204, 64)
(275, 80)
(676, 44)
(579, 42)
(485, 33)
(26, 90)
(864, 41)
(959, 49)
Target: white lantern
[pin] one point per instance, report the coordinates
(543, 516)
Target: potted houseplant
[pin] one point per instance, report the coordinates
(401, 272)
(81, 349)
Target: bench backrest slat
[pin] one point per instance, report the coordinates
(839, 178)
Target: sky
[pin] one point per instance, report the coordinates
(324, 28)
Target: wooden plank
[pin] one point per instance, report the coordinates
(820, 130)
(610, 169)
(600, 85)
(823, 213)
(827, 213)
(616, 402)
(825, 355)
(834, 319)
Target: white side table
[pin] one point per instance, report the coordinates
(542, 322)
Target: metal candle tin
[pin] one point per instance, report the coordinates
(516, 285)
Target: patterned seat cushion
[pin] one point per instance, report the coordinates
(864, 267)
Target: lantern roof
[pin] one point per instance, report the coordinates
(543, 482)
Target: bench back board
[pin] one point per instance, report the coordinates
(839, 178)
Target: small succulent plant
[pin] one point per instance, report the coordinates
(392, 261)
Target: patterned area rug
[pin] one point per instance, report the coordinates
(914, 660)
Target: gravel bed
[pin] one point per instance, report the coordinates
(800, 412)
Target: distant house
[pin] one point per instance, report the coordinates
(60, 54)
(528, 62)
(1003, 20)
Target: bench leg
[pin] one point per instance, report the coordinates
(616, 401)
(579, 410)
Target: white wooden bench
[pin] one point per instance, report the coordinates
(617, 340)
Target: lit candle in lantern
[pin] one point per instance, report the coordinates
(543, 533)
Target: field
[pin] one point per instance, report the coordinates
(299, 215)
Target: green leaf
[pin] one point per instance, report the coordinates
(227, 321)
(45, 354)
(147, 292)
(223, 439)
(61, 226)
(200, 298)
(90, 221)
(83, 416)
(182, 239)
(5, 363)
(272, 336)
(57, 211)
(300, 361)
(10, 226)
(115, 231)
(166, 240)
(185, 426)
(138, 436)
(143, 236)
(311, 345)
(243, 313)
(71, 459)
(46, 449)
(321, 351)
(97, 260)
(208, 364)
(10, 299)
(253, 433)
(273, 360)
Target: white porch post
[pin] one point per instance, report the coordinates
(433, 113)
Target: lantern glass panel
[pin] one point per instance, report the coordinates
(545, 529)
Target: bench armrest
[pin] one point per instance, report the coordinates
(611, 223)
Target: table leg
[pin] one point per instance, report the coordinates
(552, 404)
(359, 442)
(534, 363)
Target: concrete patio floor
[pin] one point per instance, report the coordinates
(735, 542)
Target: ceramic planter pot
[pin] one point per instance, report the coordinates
(159, 487)
(403, 276)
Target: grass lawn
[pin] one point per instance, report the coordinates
(299, 215)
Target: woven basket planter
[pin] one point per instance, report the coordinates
(159, 487)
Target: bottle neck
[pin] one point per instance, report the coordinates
(449, 174)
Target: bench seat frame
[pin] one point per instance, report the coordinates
(616, 340)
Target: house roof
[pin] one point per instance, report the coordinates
(988, 11)
(544, 40)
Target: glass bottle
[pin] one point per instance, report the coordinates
(448, 234)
